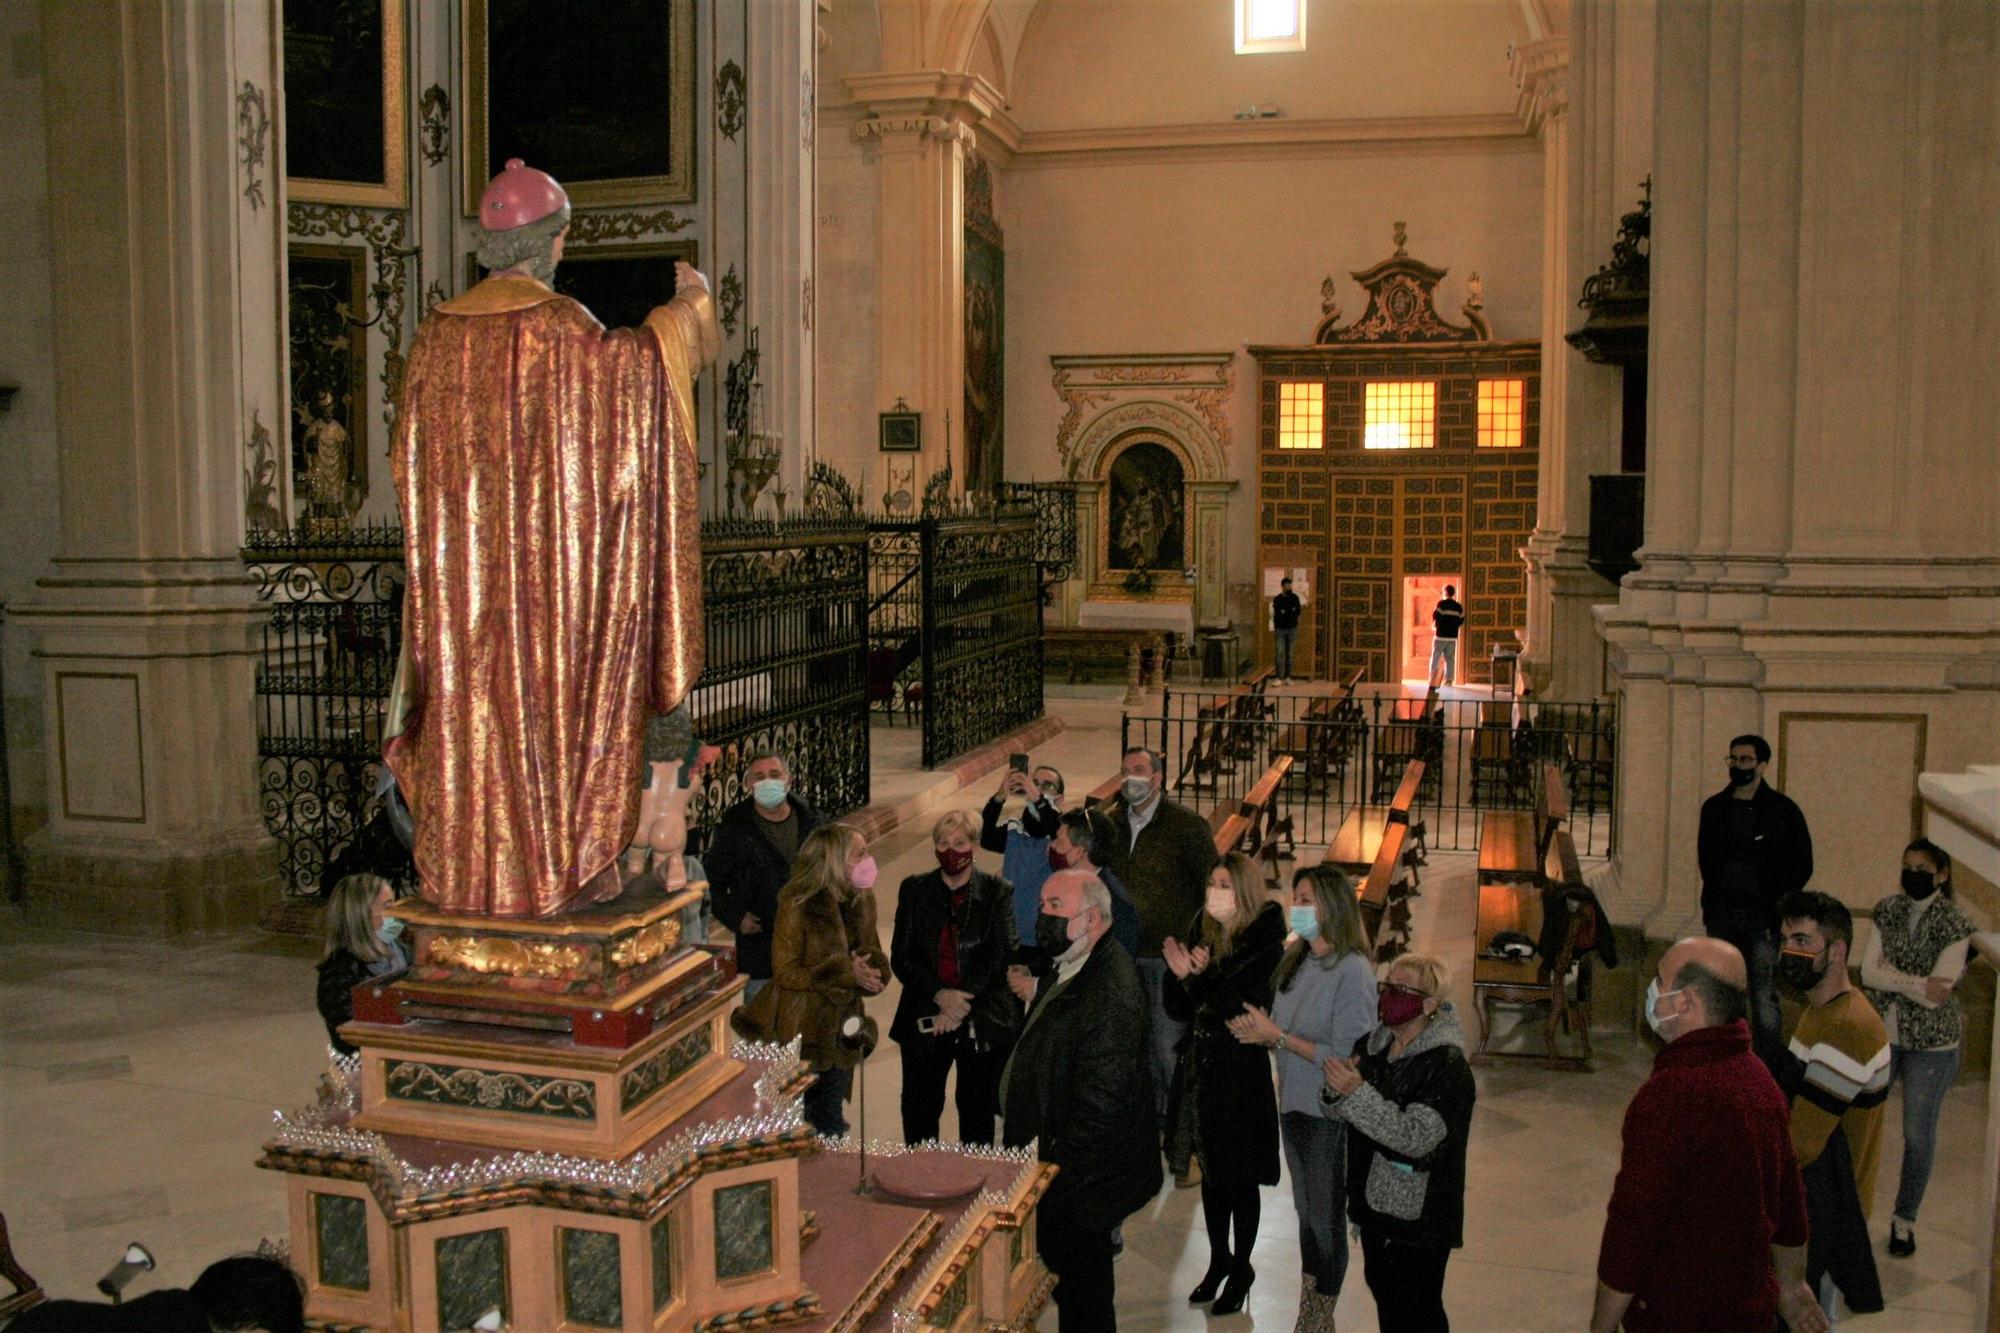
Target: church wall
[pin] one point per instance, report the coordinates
(1213, 253)
(847, 209)
(28, 501)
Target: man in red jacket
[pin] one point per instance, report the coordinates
(1707, 1223)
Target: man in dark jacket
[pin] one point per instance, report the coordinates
(1285, 609)
(750, 857)
(244, 1292)
(1076, 1087)
(1161, 851)
(1753, 849)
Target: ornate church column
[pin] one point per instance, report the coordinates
(1822, 551)
(922, 124)
(165, 255)
(782, 55)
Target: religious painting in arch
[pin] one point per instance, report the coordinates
(985, 334)
(1148, 509)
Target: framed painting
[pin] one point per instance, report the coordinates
(326, 286)
(900, 432)
(620, 284)
(601, 96)
(343, 115)
(1147, 509)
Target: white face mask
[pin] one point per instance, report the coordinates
(1654, 1018)
(1222, 904)
(1138, 789)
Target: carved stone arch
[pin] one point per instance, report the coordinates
(1201, 454)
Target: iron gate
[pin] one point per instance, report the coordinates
(982, 623)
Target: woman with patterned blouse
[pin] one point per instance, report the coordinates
(1915, 957)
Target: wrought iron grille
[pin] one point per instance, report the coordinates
(982, 641)
(1054, 503)
(328, 660)
(786, 610)
(1480, 756)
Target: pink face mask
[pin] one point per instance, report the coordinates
(863, 873)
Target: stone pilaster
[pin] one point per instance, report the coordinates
(922, 125)
(782, 58)
(1822, 555)
(145, 625)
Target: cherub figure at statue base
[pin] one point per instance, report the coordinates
(660, 842)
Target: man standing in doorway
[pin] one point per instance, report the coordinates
(1753, 848)
(1446, 619)
(1162, 852)
(1285, 626)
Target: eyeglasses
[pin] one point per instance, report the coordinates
(1747, 760)
(1391, 988)
(1052, 788)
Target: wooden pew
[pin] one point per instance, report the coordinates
(1513, 843)
(1271, 834)
(1230, 830)
(1390, 878)
(1530, 982)
(27, 1292)
(1104, 792)
(1359, 837)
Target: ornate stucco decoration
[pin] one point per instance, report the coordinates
(1402, 305)
(253, 124)
(1541, 73)
(1104, 392)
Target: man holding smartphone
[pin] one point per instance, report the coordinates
(1023, 842)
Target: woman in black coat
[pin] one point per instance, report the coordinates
(1223, 1108)
(953, 941)
(362, 944)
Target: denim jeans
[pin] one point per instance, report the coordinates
(1926, 1077)
(1759, 947)
(1316, 1158)
(1286, 638)
(1166, 1033)
(1446, 651)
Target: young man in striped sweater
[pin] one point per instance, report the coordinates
(1836, 1072)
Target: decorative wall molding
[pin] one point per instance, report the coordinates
(253, 125)
(434, 124)
(732, 100)
(950, 107)
(596, 228)
(1195, 383)
(729, 300)
(387, 234)
(1267, 138)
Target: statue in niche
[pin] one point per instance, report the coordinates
(328, 485)
(1147, 513)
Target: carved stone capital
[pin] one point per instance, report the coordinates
(922, 104)
(1541, 72)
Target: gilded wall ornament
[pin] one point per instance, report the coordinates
(434, 124)
(253, 123)
(596, 228)
(643, 946)
(731, 100)
(1402, 305)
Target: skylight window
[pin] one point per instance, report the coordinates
(1264, 26)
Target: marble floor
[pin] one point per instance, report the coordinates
(137, 1079)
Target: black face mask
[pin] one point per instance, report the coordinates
(1919, 884)
(1742, 777)
(1052, 934)
(1800, 971)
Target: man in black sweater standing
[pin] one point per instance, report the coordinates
(749, 859)
(1447, 618)
(1161, 851)
(1285, 627)
(1753, 849)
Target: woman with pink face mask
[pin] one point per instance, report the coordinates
(953, 940)
(826, 959)
(1406, 1096)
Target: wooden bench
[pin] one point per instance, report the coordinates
(27, 1292)
(1104, 792)
(1391, 876)
(1271, 834)
(1533, 981)
(1230, 830)
(1512, 843)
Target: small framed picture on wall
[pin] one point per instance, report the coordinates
(900, 432)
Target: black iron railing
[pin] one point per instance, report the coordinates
(982, 641)
(1479, 756)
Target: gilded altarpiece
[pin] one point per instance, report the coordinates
(1370, 519)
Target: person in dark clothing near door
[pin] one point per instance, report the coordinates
(953, 942)
(1753, 848)
(750, 858)
(1161, 851)
(1447, 618)
(1076, 1088)
(1285, 627)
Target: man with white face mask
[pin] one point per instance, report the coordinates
(750, 856)
(1161, 851)
(1707, 1222)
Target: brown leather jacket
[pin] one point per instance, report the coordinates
(812, 986)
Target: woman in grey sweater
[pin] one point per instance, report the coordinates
(1325, 1004)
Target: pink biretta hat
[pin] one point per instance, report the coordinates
(519, 195)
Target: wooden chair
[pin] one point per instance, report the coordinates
(1533, 983)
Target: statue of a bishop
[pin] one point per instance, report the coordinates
(546, 469)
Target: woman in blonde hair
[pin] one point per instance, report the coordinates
(361, 944)
(953, 940)
(1406, 1096)
(826, 958)
(1325, 1005)
(1222, 1109)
